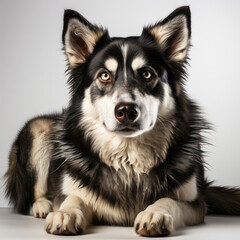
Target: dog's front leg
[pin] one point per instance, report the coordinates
(166, 215)
(72, 217)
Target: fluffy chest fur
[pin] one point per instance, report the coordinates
(139, 171)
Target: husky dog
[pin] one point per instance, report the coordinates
(128, 150)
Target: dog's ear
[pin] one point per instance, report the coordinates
(173, 34)
(79, 37)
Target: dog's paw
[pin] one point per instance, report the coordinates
(66, 222)
(154, 223)
(41, 208)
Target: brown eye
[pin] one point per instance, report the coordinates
(147, 75)
(104, 77)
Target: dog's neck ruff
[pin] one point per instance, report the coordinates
(140, 153)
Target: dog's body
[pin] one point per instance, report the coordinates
(128, 149)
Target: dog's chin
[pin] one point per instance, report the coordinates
(129, 133)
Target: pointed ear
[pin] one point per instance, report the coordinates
(173, 34)
(79, 37)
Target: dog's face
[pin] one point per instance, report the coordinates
(128, 82)
(127, 89)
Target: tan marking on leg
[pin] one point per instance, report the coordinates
(40, 126)
(166, 215)
(72, 218)
(101, 208)
(188, 191)
(58, 202)
(40, 154)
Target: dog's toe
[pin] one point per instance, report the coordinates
(154, 223)
(41, 208)
(67, 222)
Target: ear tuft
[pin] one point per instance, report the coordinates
(79, 37)
(173, 34)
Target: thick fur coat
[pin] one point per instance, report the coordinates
(128, 150)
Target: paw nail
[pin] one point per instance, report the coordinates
(145, 225)
(58, 227)
(37, 215)
(48, 229)
(137, 227)
(79, 230)
(165, 232)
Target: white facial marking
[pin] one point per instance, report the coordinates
(138, 63)
(124, 52)
(124, 97)
(149, 109)
(168, 104)
(111, 64)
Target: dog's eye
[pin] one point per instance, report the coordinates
(104, 77)
(147, 74)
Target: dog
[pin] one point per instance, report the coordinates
(128, 149)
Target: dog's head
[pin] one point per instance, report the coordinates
(127, 84)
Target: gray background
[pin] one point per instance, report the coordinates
(32, 65)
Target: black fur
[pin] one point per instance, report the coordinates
(223, 200)
(20, 178)
(72, 151)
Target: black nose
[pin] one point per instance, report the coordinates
(126, 112)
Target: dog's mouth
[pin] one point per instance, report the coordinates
(125, 131)
(127, 127)
(128, 131)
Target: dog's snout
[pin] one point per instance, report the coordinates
(126, 112)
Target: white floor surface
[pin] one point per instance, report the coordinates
(15, 226)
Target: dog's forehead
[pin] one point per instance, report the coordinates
(122, 52)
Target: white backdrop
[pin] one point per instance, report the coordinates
(32, 65)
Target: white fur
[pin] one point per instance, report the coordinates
(124, 53)
(41, 207)
(138, 63)
(66, 221)
(111, 64)
(167, 105)
(188, 191)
